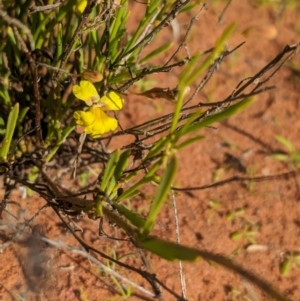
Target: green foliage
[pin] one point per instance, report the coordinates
(214, 206)
(46, 52)
(168, 250)
(291, 261)
(247, 233)
(248, 230)
(162, 192)
(278, 4)
(10, 129)
(291, 157)
(235, 214)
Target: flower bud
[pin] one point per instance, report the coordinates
(91, 76)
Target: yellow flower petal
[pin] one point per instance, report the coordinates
(111, 102)
(81, 5)
(87, 92)
(95, 121)
(84, 118)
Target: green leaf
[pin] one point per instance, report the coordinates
(188, 7)
(150, 13)
(133, 217)
(5, 95)
(10, 128)
(188, 142)
(63, 136)
(2, 126)
(295, 157)
(59, 42)
(233, 215)
(189, 69)
(109, 169)
(286, 266)
(236, 235)
(296, 256)
(192, 74)
(168, 250)
(22, 114)
(285, 142)
(149, 177)
(117, 30)
(161, 194)
(280, 157)
(179, 103)
(118, 172)
(172, 251)
(156, 52)
(157, 147)
(233, 110)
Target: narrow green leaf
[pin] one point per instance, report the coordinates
(63, 136)
(118, 172)
(109, 169)
(5, 95)
(188, 7)
(161, 194)
(295, 156)
(149, 177)
(168, 250)
(22, 114)
(285, 142)
(188, 142)
(59, 43)
(156, 52)
(189, 69)
(296, 257)
(172, 251)
(157, 147)
(286, 266)
(153, 5)
(117, 31)
(10, 128)
(133, 189)
(280, 157)
(236, 235)
(133, 217)
(219, 47)
(39, 33)
(233, 110)
(179, 103)
(129, 195)
(150, 13)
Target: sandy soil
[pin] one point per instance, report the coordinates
(241, 146)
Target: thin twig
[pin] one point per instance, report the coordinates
(147, 71)
(171, 15)
(34, 9)
(17, 23)
(106, 269)
(213, 68)
(221, 17)
(181, 274)
(35, 80)
(282, 176)
(269, 66)
(182, 43)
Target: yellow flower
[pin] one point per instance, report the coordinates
(87, 92)
(81, 5)
(95, 121)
